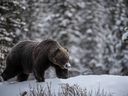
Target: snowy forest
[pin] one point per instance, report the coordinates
(90, 29)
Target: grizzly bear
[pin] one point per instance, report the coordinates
(29, 56)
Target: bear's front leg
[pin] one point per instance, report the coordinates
(38, 73)
(61, 73)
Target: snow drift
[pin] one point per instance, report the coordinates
(115, 85)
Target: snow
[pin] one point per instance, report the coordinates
(116, 85)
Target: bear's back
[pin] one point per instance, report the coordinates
(45, 47)
(21, 55)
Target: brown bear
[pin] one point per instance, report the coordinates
(29, 56)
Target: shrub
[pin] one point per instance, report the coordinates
(65, 90)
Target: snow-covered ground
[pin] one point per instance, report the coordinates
(116, 85)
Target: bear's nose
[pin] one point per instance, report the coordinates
(67, 66)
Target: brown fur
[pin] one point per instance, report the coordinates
(36, 57)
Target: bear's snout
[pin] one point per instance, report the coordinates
(67, 66)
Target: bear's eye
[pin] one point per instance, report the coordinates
(54, 60)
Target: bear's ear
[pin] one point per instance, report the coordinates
(66, 49)
(54, 60)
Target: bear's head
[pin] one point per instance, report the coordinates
(60, 57)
